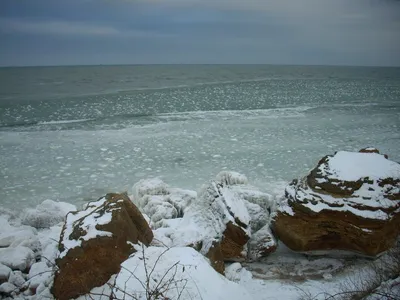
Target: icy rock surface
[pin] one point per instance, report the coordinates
(160, 202)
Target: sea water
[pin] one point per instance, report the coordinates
(75, 133)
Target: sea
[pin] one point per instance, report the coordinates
(75, 133)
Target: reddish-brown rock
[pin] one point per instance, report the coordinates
(350, 201)
(94, 242)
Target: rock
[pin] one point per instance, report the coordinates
(262, 243)
(95, 241)
(7, 288)
(216, 257)
(46, 214)
(372, 150)
(349, 201)
(191, 276)
(18, 258)
(4, 273)
(17, 279)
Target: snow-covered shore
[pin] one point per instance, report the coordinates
(180, 262)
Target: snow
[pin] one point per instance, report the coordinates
(87, 220)
(46, 214)
(38, 273)
(190, 274)
(12, 235)
(16, 278)
(18, 258)
(325, 201)
(352, 166)
(258, 215)
(281, 275)
(153, 186)
(231, 178)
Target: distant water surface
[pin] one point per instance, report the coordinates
(74, 133)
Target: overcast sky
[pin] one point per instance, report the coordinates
(324, 32)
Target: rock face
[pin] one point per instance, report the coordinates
(349, 201)
(95, 241)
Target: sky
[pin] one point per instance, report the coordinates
(316, 32)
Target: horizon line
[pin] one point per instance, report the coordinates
(195, 64)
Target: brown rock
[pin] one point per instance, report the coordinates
(94, 242)
(350, 201)
(233, 241)
(216, 257)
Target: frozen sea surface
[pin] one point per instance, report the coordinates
(75, 133)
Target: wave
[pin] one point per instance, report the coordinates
(63, 121)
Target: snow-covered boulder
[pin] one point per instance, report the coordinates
(7, 288)
(176, 273)
(46, 214)
(16, 278)
(261, 244)
(95, 241)
(18, 258)
(349, 201)
(160, 202)
(4, 273)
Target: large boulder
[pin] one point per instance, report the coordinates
(349, 201)
(95, 241)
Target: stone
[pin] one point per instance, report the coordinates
(95, 241)
(349, 201)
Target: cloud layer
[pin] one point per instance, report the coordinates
(338, 32)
